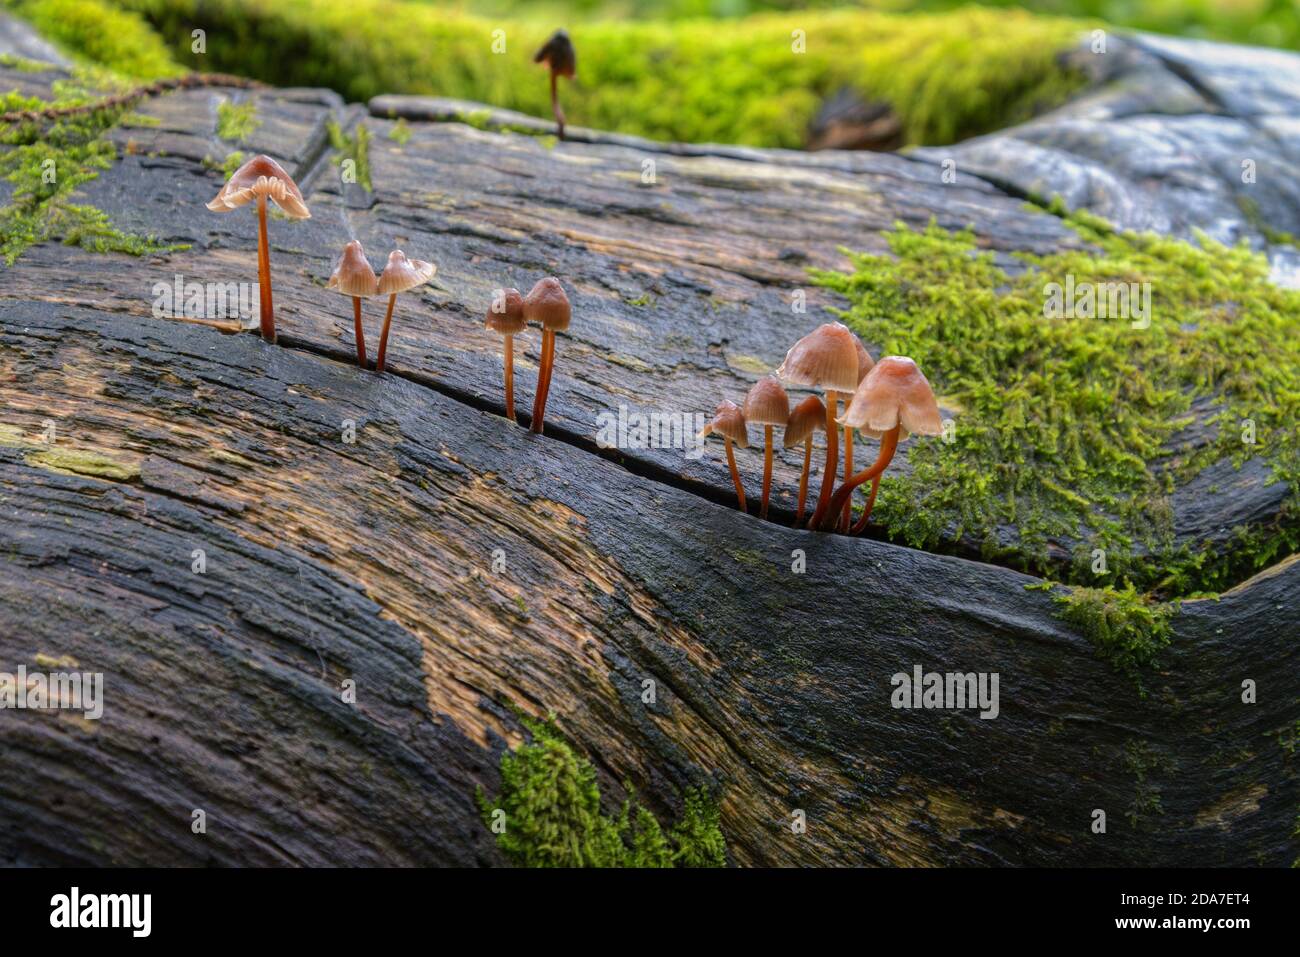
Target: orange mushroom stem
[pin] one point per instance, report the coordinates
(860, 525)
(547, 305)
(865, 365)
(767, 405)
(832, 459)
(806, 419)
(265, 305)
(888, 445)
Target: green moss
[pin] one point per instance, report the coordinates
(354, 149)
(400, 133)
(47, 163)
(1067, 429)
(553, 818)
(1127, 628)
(100, 32)
(13, 101)
(1260, 22)
(23, 65)
(231, 163)
(1289, 738)
(698, 835)
(237, 121)
(479, 119)
(947, 75)
(1142, 762)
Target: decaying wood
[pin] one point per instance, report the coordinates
(371, 559)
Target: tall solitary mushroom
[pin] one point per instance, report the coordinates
(729, 422)
(893, 401)
(259, 178)
(547, 305)
(399, 275)
(806, 419)
(767, 405)
(558, 54)
(865, 363)
(506, 318)
(354, 277)
(826, 358)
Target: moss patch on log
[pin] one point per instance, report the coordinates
(548, 814)
(1128, 629)
(1067, 429)
(352, 148)
(237, 121)
(759, 81)
(46, 161)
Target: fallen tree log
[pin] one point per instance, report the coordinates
(396, 533)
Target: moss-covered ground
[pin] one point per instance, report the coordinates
(756, 82)
(1067, 429)
(1071, 430)
(46, 162)
(1261, 22)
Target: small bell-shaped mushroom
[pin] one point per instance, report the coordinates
(353, 277)
(506, 318)
(399, 275)
(826, 358)
(547, 305)
(895, 399)
(260, 178)
(729, 422)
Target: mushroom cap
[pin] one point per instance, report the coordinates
(729, 422)
(510, 320)
(895, 392)
(547, 304)
(865, 362)
(353, 276)
(261, 176)
(806, 418)
(767, 403)
(402, 274)
(558, 54)
(826, 358)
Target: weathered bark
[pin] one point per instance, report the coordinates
(372, 560)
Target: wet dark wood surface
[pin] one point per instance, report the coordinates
(371, 560)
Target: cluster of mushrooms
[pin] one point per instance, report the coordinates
(887, 400)
(262, 178)
(509, 315)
